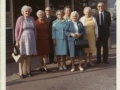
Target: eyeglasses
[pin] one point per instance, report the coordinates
(100, 6)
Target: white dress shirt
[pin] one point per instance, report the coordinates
(100, 16)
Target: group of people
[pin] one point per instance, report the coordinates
(50, 35)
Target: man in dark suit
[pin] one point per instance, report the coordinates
(103, 18)
(50, 19)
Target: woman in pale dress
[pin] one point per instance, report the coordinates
(91, 35)
(25, 39)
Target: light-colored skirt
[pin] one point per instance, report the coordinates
(61, 47)
(27, 43)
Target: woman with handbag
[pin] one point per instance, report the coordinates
(75, 31)
(60, 39)
(25, 39)
(91, 35)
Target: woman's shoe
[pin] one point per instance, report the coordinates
(29, 75)
(47, 70)
(21, 76)
(41, 69)
(91, 64)
(60, 68)
(73, 69)
(64, 67)
(85, 65)
(80, 68)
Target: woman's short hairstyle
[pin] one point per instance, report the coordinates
(26, 7)
(61, 11)
(40, 12)
(87, 8)
(66, 8)
(76, 13)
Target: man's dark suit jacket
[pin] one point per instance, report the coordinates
(107, 22)
(52, 18)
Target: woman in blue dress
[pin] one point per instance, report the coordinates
(75, 31)
(59, 38)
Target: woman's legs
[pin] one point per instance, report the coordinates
(21, 66)
(41, 61)
(28, 64)
(58, 59)
(64, 60)
(80, 63)
(45, 61)
(73, 62)
(85, 57)
(90, 59)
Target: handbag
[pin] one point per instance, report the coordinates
(79, 44)
(17, 58)
(16, 54)
(16, 50)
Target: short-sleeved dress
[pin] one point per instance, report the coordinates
(27, 40)
(90, 35)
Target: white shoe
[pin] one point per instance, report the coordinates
(72, 70)
(64, 67)
(60, 68)
(81, 69)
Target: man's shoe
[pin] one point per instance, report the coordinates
(98, 62)
(106, 62)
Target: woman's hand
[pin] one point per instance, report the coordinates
(54, 42)
(79, 35)
(73, 35)
(96, 38)
(17, 44)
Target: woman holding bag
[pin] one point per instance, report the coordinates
(25, 39)
(75, 31)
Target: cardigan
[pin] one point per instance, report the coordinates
(71, 29)
(19, 27)
(82, 19)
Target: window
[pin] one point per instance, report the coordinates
(8, 14)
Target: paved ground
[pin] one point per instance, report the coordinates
(101, 77)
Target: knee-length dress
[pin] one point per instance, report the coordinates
(42, 38)
(27, 41)
(90, 35)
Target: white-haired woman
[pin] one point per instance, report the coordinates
(91, 35)
(42, 40)
(75, 31)
(25, 39)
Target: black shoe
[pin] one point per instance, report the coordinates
(22, 76)
(106, 62)
(29, 75)
(47, 70)
(41, 69)
(98, 62)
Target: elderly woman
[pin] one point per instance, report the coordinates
(42, 40)
(59, 39)
(25, 39)
(91, 35)
(67, 12)
(75, 31)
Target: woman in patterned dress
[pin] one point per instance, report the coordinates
(91, 35)
(25, 39)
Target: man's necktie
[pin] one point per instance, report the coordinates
(101, 19)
